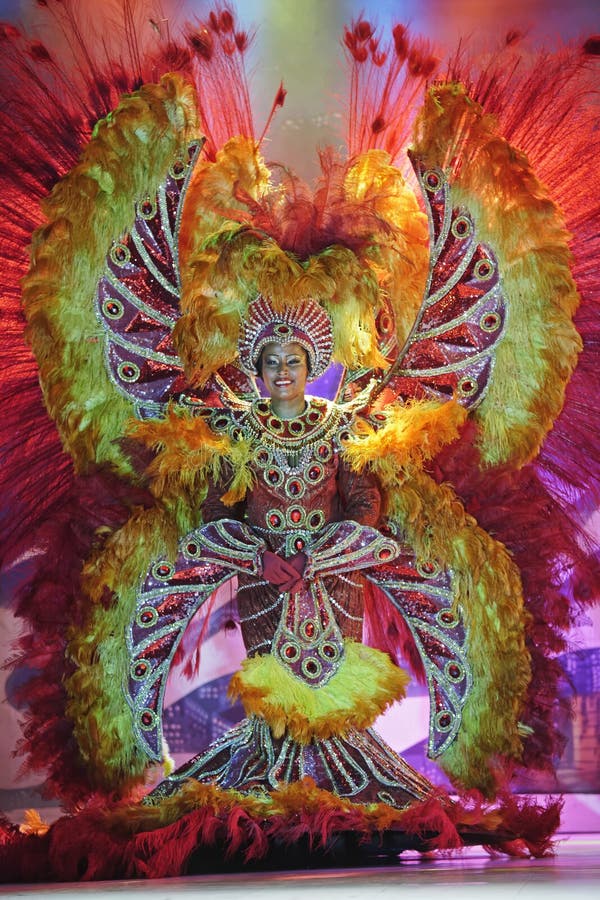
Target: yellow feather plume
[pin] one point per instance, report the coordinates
(189, 456)
(409, 435)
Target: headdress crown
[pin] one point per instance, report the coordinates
(306, 323)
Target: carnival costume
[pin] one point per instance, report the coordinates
(171, 255)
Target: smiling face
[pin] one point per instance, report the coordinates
(284, 370)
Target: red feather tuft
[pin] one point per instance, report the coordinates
(591, 46)
(401, 44)
(385, 82)
(363, 30)
(202, 42)
(49, 599)
(84, 848)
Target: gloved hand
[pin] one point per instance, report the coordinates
(284, 574)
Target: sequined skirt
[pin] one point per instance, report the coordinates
(359, 766)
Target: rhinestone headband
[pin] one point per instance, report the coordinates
(306, 323)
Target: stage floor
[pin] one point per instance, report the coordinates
(574, 871)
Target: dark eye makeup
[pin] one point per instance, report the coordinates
(291, 361)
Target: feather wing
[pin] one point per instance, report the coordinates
(495, 327)
(450, 350)
(128, 158)
(124, 653)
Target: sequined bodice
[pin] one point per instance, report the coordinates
(295, 464)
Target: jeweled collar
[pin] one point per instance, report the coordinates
(316, 418)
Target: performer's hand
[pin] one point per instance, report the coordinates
(282, 573)
(298, 561)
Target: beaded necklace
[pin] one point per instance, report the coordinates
(291, 443)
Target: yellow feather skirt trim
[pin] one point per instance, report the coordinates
(366, 683)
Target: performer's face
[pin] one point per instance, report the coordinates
(284, 370)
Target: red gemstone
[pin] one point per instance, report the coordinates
(113, 308)
(291, 652)
(294, 488)
(385, 324)
(315, 520)
(432, 180)
(445, 720)
(192, 549)
(273, 476)
(385, 553)
(275, 520)
(295, 516)
(296, 427)
(329, 650)
(141, 669)
(147, 208)
(323, 451)
(454, 671)
(128, 371)
(314, 473)
(164, 570)
(309, 629)
(299, 544)
(147, 718)
(120, 253)
(147, 616)
(447, 617)
(311, 667)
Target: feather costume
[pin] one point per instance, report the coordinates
(464, 323)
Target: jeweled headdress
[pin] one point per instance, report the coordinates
(306, 323)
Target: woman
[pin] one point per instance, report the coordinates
(310, 688)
